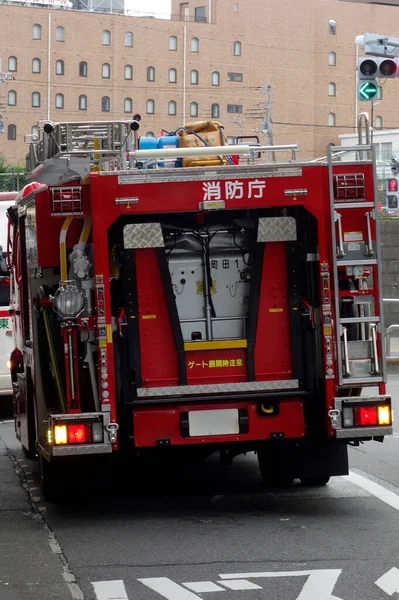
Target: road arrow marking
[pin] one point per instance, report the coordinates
(389, 583)
(110, 590)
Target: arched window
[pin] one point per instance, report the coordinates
(12, 98)
(106, 38)
(194, 45)
(215, 111)
(380, 93)
(128, 72)
(105, 104)
(172, 76)
(12, 64)
(150, 107)
(83, 69)
(172, 109)
(331, 89)
(332, 59)
(331, 120)
(150, 74)
(59, 67)
(173, 42)
(82, 102)
(378, 122)
(106, 71)
(237, 48)
(150, 134)
(60, 34)
(128, 105)
(37, 32)
(59, 101)
(36, 100)
(128, 39)
(36, 65)
(35, 133)
(194, 77)
(332, 26)
(12, 132)
(216, 78)
(194, 109)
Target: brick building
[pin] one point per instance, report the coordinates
(209, 59)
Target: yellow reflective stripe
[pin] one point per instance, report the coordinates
(219, 345)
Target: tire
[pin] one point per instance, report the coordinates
(29, 454)
(315, 481)
(52, 481)
(272, 470)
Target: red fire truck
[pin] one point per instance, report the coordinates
(166, 296)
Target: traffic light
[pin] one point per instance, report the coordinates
(392, 193)
(369, 69)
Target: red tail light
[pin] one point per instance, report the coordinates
(366, 416)
(392, 185)
(79, 434)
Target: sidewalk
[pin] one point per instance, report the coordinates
(30, 569)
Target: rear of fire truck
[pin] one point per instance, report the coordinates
(173, 301)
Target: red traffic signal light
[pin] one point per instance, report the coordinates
(388, 67)
(392, 184)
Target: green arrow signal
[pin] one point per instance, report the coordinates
(368, 90)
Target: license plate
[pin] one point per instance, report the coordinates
(213, 422)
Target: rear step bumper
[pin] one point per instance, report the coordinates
(219, 388)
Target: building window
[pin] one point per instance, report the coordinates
(12, 132)
(234, 77)
(36, 100)
(172, 76)
(234, 108)
(83, 69)
(215, 111)
(128, 72)
(128, 39)
(59, 101)
(378, 124)
(60, 34)
(332, 26)
(216, 78)
(82, 102)
(12, 64)
(386, 149)
(237, 48)
(200, 14)
(37, 32)
(235, 7)
(150, 134)
(105, 104)
(12, 98)
(332, 59)
(106, 38)
(150, 74)
(59, 67)
(128, 105)
(380, 93)
(194, 77)
(106, 71)
(331, 89)
(194, 45)
(173, 42)
(194, 109)
(172, 109)
(36, 65)
(35, 133)
(331, 120)
(150, 107)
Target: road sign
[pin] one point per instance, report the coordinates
(367, 90)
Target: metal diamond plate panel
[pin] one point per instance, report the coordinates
(5, 385)
(143, 235)
(253, 386)
(277, 229)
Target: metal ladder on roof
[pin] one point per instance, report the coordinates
(357, 271)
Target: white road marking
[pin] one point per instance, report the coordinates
(203, 586)
(110, 590)
(318, 586)
(389, 583)
(168, 589)
(240, 584)
(375, 489)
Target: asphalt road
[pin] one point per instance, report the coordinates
(206, 531)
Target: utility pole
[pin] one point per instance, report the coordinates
(267, 121)
(4, 77)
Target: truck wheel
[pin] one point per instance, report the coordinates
(315, 481)
(51, 480)
(28, 453)
(272, 470)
